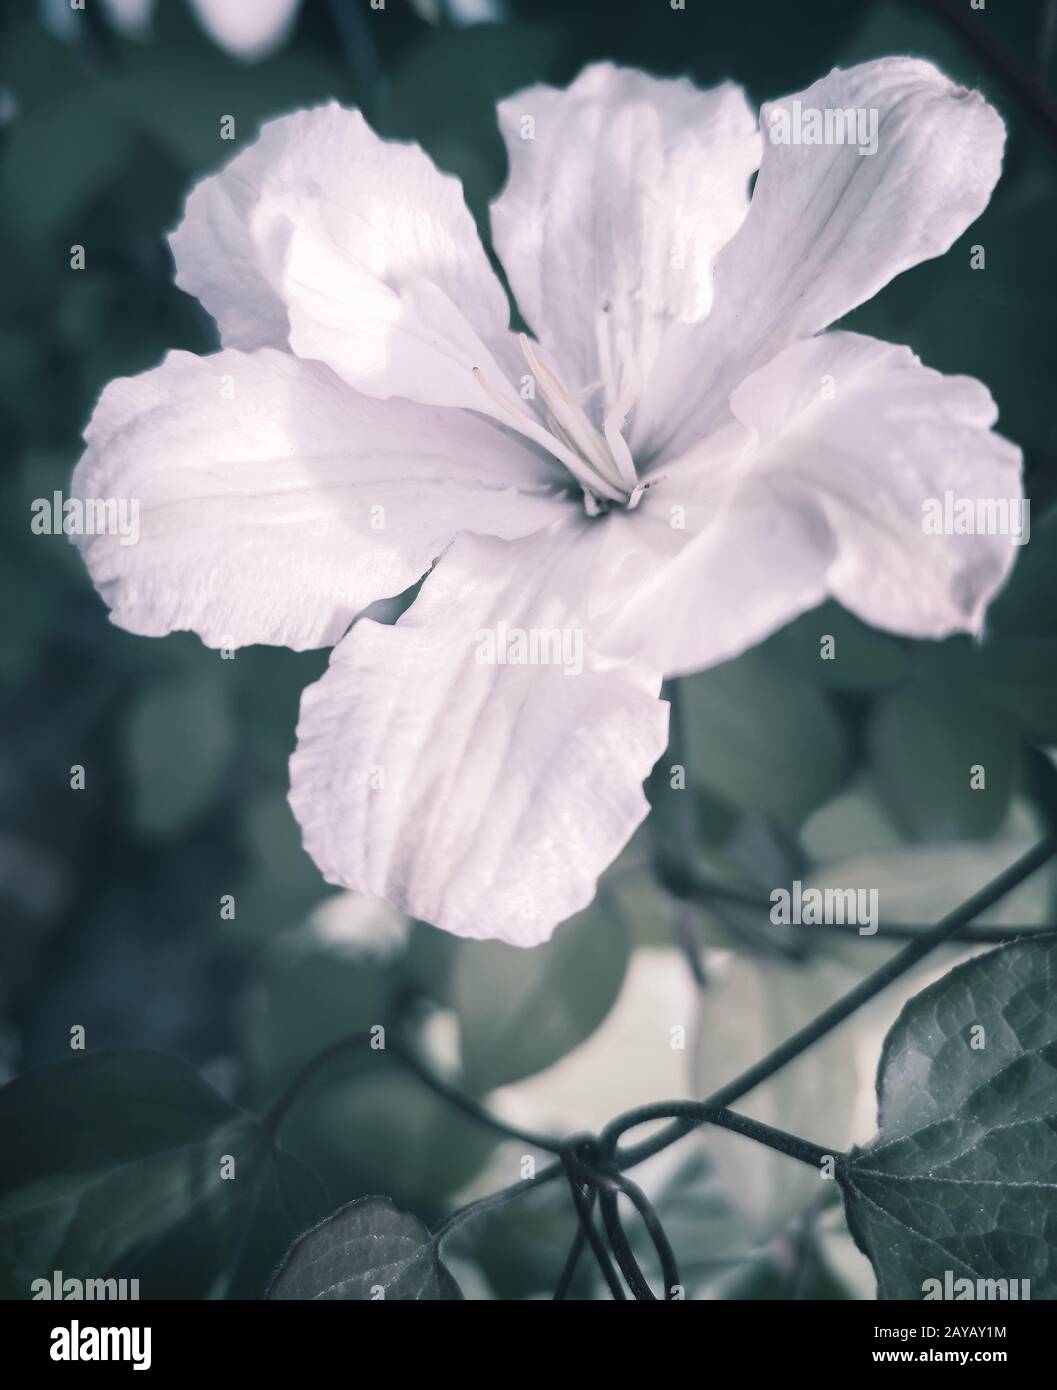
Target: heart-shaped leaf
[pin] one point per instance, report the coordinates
(367, 1251)
(961, 1181)
(128, 1165)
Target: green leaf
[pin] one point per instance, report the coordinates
(113, 1166)
(521, 1247)
(365, 1121)
(180, 739)
(315, 990)
(924, 748)
(366, 1251)
(707, 1230)
(637, 1055)
(762, 738)
(634, 885)
(961, 1176)
(793, 1268)
(748, 1007)
(860, 658)
(520, 1010)
(852, 822)
(1025, 606)
(1014, 669)
(384, 1127)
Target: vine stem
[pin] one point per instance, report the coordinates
(695, 1113)
(904, 960)
(355, 1042)
(606, 1173)
(966, 936)
(493, 1201)
(864, 991)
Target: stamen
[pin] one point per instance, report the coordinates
(605, 351)
(570, 416)
(578, 466)
(613, 425)
(555, 428)
(504, 403)
(600, 462)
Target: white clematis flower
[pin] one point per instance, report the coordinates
(247, 29)
(251, 29)
(651, 485)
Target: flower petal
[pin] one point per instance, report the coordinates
(387, 335)
(827, 228)
(851, 439)
(131, 17)
(759, 562)
(275, 503)
(622, 189)
(352, 249)
(879, 438)
(483, 797)
(250, 29)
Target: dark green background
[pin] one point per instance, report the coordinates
(109, 895)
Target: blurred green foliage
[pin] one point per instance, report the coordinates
(112, 895)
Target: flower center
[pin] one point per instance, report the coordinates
(600, 461)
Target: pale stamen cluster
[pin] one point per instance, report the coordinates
(600, 461)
